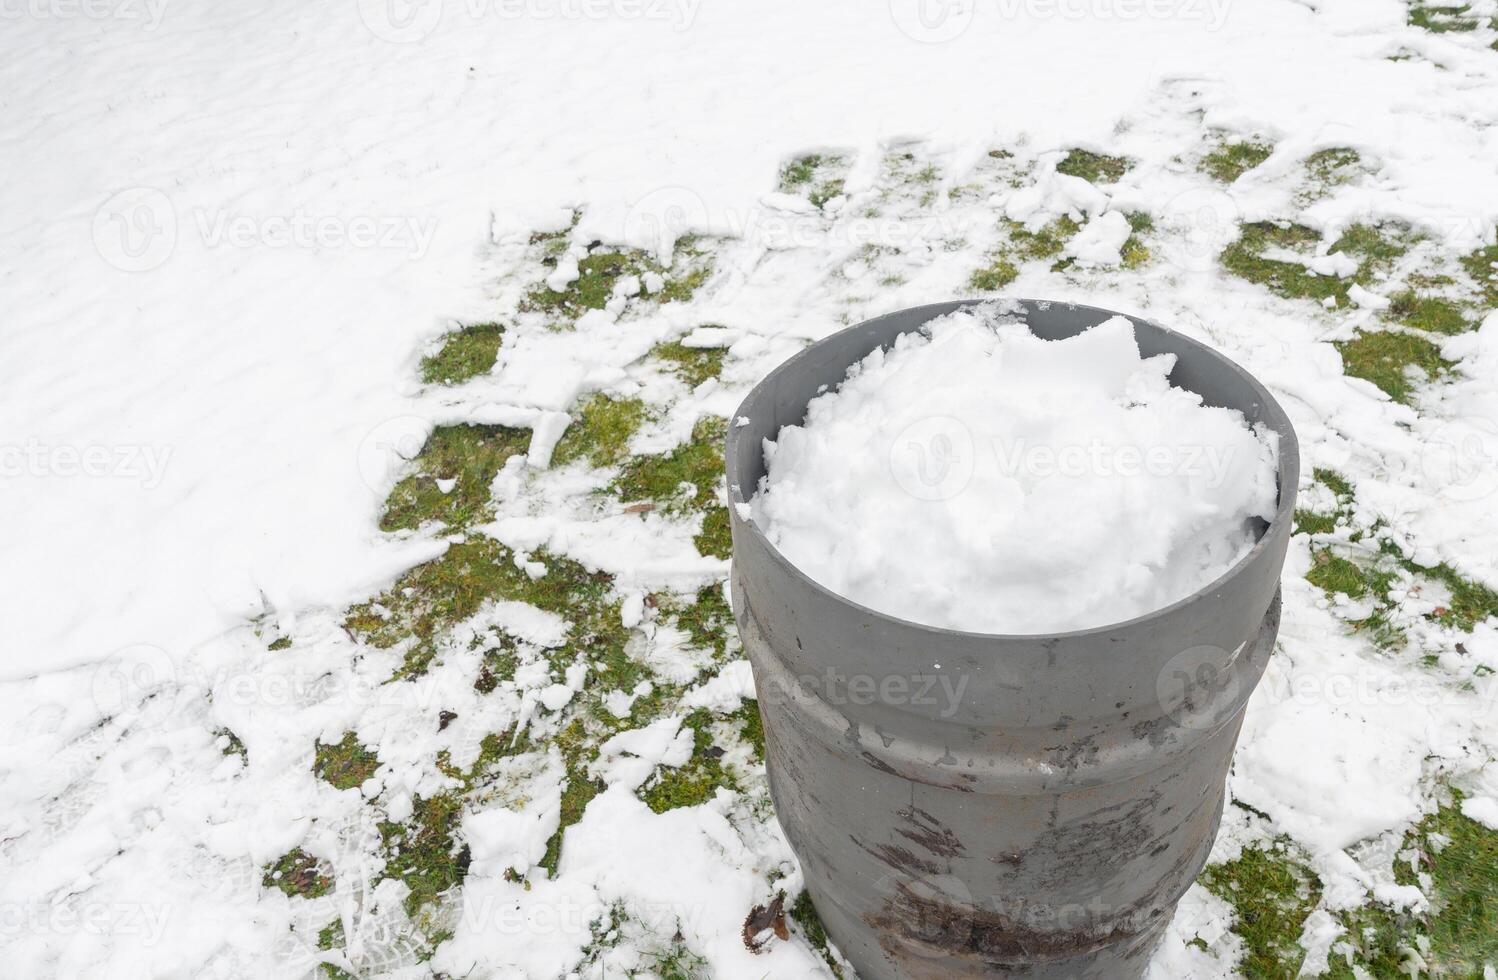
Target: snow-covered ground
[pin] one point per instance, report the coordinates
(234, 231)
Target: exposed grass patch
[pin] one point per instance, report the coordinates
(469, 454)
(694, 365)
(1442, 18)
(600, 431)
(578, 790)
(1332, 166)
(708, 621)
(1232, 160)
(1374, 249)
(424, 852)
(696, 781)
(1271, 894)
(1471, 602)
(345, 764)
(1461, 856)
(751, 726)
(1134, 253)
(1336, 575)
(804, 914)
(230, 744)
(602, 269)
(1095, 168)
(1435, 314)
(297, 873)
(715, 540)
(467, 353)
(684, 479)
(1482, 266)
(993, 277)
(816, 175)
(1387, 358)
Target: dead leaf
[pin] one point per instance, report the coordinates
(640, 508)
(769, 918)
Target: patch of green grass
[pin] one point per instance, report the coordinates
(578, 790)
(1385, 358)
(696, 781)
(1482, 266)
(1332, 166)
(1375, 250)
(1334, 574)
(708, 621)
(331, 935)
(1461, 856)
(280, 643)
(751, 726)
(715, 540)
(1471, 602)
(600, 431)
(232, 744)
(694, 365)
(1442, 19)
(424, 851)
(469, 454)
(1310, 522)
(686, 478)
(1432, 313)
(1093, 167)
(297, 873)
(345, 764)
(679, 963)
(811, 174)
(993, 277)
(1271, 894)
(1044, 243)
(804, 914)
(466, 353)
(1134, 253)
(494, 747)
(601, 270)
(1232, 160)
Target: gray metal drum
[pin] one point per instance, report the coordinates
(968, 804)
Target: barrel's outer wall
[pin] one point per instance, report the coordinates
(1041, 808)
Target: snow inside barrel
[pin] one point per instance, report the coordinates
(1006, 588)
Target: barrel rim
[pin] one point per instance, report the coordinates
(1288, 473)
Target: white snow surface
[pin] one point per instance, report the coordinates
(977, 477)
(233, 230)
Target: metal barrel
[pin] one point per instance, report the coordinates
(970, 804)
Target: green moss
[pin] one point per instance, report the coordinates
(816, 174)
(424, 851)
(297, 873)
(686, 478)
(1093, 167)
(332, 972)
(469, 454)
(696, 781)
(1232, 160)
(1134, 253)
(993, 277)
(1046, 243)
(600, 431)
(804, 914)
(1445, 19)
(280, 643)
(1271, 895)
(1482, 266)
(1386, 357)
(1433, 313)
(331, 935)
(467, 353)
(346, 764)
(694, 365)
(495, 747)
